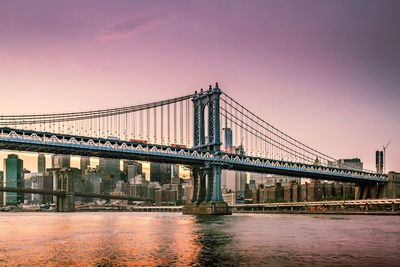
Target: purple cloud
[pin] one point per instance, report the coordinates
(130, 26)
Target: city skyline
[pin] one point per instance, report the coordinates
(105, 49)
(199, 133)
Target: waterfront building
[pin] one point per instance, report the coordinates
(165, 197)
(123, 187)
(139, 190)
(228, 181)
(41, 164)
(352, 164)
(13, 177)
(229, 198)
(272, 179)
(151, 189)
(252, 185)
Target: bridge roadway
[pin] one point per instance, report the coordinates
(63, 193)
(45, 142)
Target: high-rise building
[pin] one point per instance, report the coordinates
(379, 161)
(160, 172)
(240, 181)
(228, 180)
(353, 164)
(60, 161)
(259, 178)
(34, 181)
(13, 177)
(110, 168)
(84, 163)
(228, 143)
(92, 182)
(132, 169)
(273, 179)
(47, 185)
(41, 164)
(174, 171)
(110, 173)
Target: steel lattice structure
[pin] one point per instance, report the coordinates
(184, 130)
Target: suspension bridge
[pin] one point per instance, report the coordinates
(207, 130)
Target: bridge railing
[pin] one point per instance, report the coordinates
(233, 161)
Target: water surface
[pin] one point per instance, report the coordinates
(171, 239)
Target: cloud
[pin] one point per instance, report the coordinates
(131, 26)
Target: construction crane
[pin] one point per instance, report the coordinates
(384, 155)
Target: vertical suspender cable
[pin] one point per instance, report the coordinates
(148, 124)
(162, 125)
(181, 122)
(175, 123)
(168, 117)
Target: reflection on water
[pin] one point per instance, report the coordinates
(169, 239)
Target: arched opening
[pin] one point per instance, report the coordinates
(206, 126)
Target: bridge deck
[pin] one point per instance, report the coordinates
(14, 139)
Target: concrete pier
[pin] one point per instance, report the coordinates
(207, 197)
(207, 208)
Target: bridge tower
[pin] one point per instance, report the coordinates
(207, 194)
(66, 202)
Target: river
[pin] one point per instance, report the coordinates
(172, 239)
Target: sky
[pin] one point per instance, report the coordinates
(325, 72)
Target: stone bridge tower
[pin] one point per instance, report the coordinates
(207, 195)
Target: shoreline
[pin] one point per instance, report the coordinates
(377, 213)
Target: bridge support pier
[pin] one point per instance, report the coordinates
(209, 196)
(65, 203)
(368, 191)
(392, 188)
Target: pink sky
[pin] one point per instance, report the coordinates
(325, 72)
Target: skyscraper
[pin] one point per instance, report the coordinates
(227, 138)
(240, 181)
(110, 173)
(131, 168)
(41, 164)
(84, 163)
(60, 161)
(13, 177)
(379, 161)
(160, 172)
(174, 170)
(34, 181)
